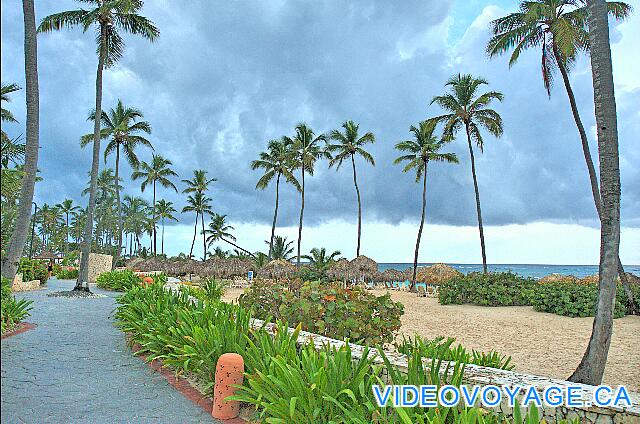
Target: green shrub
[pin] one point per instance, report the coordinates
(33, 269)
(12, 311)
(210, 290)
(491, 289)
(573, 300)
(331, 311)
(118, 280)
(442, 348)
(67, 273)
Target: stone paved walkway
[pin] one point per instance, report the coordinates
(76, 368)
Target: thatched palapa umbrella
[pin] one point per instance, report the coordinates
(365, 267)
(392, 275)
(436, 274)
(278, 268)
(341, 270)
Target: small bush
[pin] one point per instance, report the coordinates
(573, 300)
(12, 311)
(328, 310)
(491, 289)
(441, 348)
(33, 269)
(67, 273)
(118, 280)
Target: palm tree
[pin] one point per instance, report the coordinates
(67, 208)
(282, 248)
(417, 154)
(469, 110)
(199, 184)
(591, 368)
(122, 125)
(349, 144)
(277, 161)
(200, 204)
(136, 213)
(18, 238)
(6, 114)
(320, 260)
(559, 28)
(307, 150)
(110, 17)
(164, 210)
(220, 230)
(105, 184)
(156, 172)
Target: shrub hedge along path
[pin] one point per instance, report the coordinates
(76, 367)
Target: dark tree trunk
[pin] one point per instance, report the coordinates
(154, 241)
(424, 204)
(275, 217)
(116, 257)
(593, 178)
(83, 274)
(66, 238)
(195, 233)
(355, 183)
(162, 239)
(23, 219)
(591, 368)
(478, 210)
(204, 241)
(301, 215)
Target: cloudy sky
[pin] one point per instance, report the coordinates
(226, 77)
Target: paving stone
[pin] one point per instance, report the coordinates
(75, 367)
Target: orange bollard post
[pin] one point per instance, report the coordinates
(229, 370)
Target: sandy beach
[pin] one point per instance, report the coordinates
(539, 343)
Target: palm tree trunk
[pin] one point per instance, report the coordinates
(301, 215)
(424, 204)
(162, 239)
(593, 178)
(23, 219)
(154, 241)
(195, 233)
(591, 368)
(238, 247)
(475, 187)
(66, 238)
(119, 207)
(355, 182)
(204, 241)
(83, 273)
(275, 217)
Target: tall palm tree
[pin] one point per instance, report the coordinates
(282, 248)
(469, 110)
(199, 184)
(105, 184)
(110, 17)
(135, 212)
(157, 172)
(164, 210)
(591, 367)
(220, 230)
(67, 208)
(307, 150)
(319, 258)
(277, 161)
(417, 154)
(19, 235)
(349, 144)
(199, 203)
(559, 28)
(122, 125)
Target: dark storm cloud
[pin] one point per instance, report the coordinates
(225, 78)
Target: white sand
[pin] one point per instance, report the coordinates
(539, 343)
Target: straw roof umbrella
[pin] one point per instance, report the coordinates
(392, 275)
(436, 274)
(341, 269)
(365, 267)
(277, 269)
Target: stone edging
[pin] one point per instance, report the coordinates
(21, 327)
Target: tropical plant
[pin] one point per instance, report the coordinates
(67, 208)
(136, 214)
(12, 151)
(122, 125)
(220, 230)
(164, 210)
(307, 150)
(18, 237)
(157, 172)
(118, 280)
(12, 310)
(110, 17)
(488, 289)
(418, 152)
(320, 260)
(349, 144)
(591, 367)
(282, 248)
(470, 111)
(277, 161)
(199, 184)
(560, 29)
(200, 204)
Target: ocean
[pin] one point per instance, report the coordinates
(533, 270)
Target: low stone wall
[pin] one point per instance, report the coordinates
(483, 376)
(18, 285)
(98, 264)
